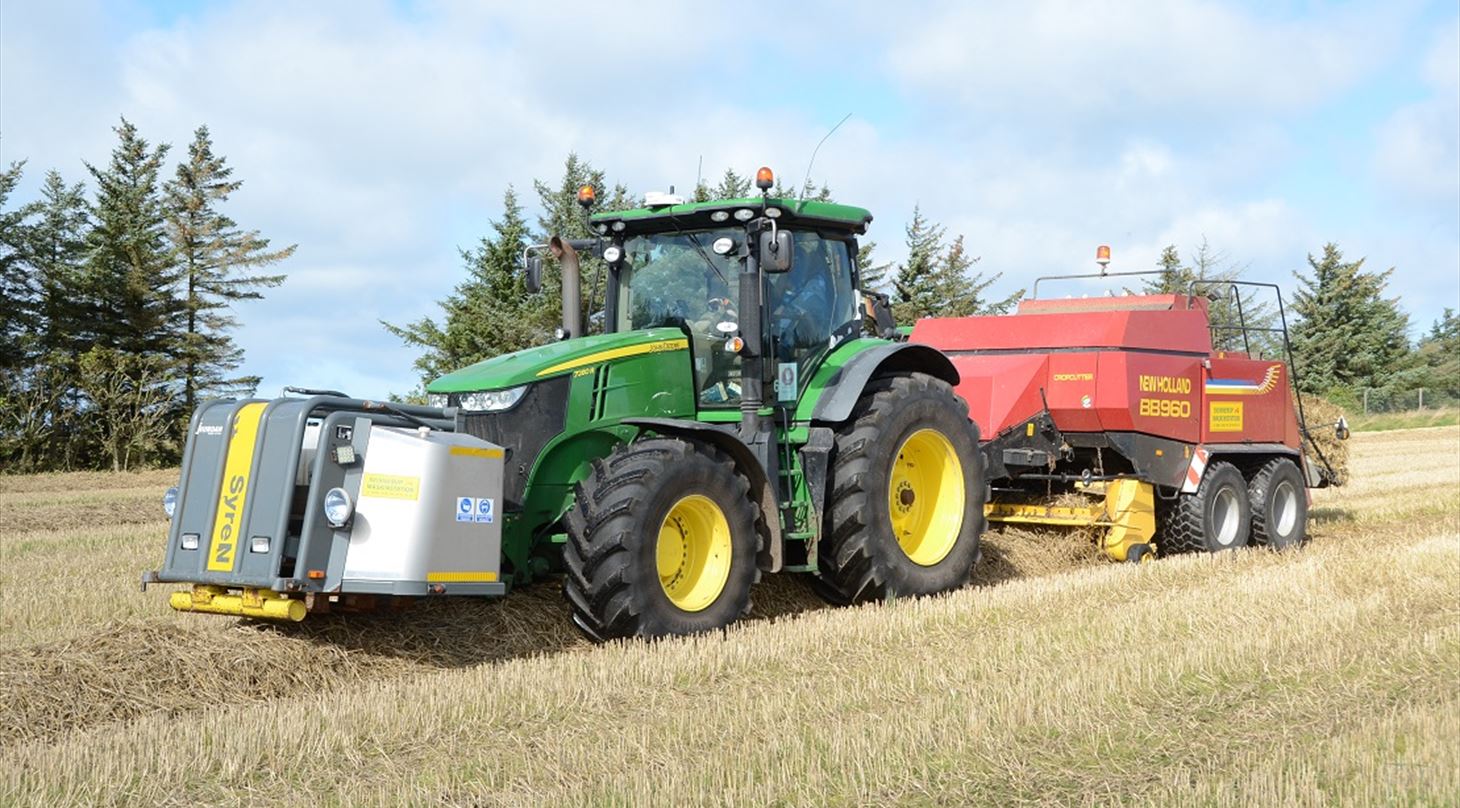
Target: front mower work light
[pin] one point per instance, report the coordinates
(169, 501)
(337, 507)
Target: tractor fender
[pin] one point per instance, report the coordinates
(722, 438)
(845, 386)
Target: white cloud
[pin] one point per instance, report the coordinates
(1418, 152)
(1098, 64)
(380, 140)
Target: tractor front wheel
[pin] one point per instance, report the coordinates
(905, 509)
(662, 540)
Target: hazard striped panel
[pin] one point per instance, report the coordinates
(1194, 472)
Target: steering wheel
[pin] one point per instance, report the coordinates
(719, 310)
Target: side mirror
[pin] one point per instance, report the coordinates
(532, 274)
(775, 251)
(1340, 429)
(879, 306)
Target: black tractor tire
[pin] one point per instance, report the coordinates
(859, 556)
(1279, 500)
(1217, 517)
(613, 580)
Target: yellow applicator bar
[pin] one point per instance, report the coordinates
(248, 603)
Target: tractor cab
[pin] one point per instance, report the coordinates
(678, 265)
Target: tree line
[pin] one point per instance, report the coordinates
(116, 319)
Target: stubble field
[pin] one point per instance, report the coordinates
(1330, 675)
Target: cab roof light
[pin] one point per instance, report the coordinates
(764, 178)
(587, 196)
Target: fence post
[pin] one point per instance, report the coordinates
(1421, 398)
(1366, 401)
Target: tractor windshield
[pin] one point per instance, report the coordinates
(676, 280)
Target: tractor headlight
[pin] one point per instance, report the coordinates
(169, 501)
(437, 400)
(337, 507)
(493, 400)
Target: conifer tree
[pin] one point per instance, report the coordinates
(56, 251)
(218, 262)
(872, 275)
(1439, 352)
(1349, 336)
(1205, 276)
(132, 274)
(937, 281)
(732, 186)
(16, 315)
(563, 216)
(916, 287)
(962, 291)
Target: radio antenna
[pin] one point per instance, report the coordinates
(812, 161)
(699, 173)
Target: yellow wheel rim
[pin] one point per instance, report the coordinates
(925, 497)
(694, 552)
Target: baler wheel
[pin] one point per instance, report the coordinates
(1140, 554)
(1279, 505)
(662, 540)
(1215, 518)
(905, 504)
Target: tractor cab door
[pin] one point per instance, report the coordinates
(674, 280)
(810, 309)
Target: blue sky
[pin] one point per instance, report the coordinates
(381, 136)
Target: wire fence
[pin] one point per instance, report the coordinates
(1373, 401)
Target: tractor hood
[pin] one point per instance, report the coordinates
(557, 359)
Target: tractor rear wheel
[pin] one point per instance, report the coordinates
(1279, 505)
(1215, 518)
(906, 496)
(662, 540)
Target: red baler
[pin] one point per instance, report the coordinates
(1122, 402)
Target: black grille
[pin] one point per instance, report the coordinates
(523, 431)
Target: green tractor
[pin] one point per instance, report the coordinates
(733, 417)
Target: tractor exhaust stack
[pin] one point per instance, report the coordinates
(572, 286)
